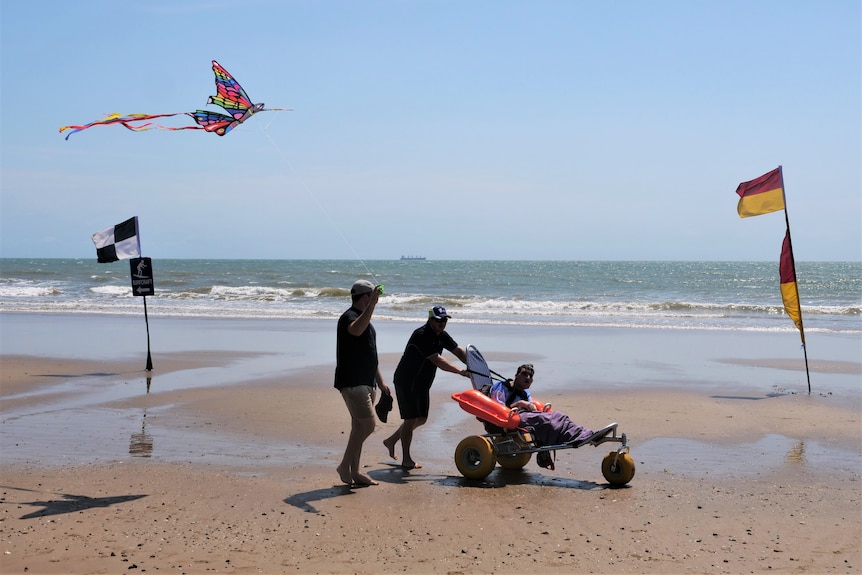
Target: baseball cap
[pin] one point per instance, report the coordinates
(361, 287)
(438, 312)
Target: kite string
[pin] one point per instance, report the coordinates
(319, 205)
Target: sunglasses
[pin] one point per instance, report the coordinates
(441, 320)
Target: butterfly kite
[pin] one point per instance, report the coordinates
(229, 95)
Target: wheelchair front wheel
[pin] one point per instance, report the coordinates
(474, 457)
(618, 468)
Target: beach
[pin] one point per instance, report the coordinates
(222, 458)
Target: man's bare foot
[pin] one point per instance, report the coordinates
(411, 465)
(363, 480)
(344, 475)
(391, 448)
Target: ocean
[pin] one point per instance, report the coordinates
(659, 295)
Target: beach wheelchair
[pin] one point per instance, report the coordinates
(512, 445)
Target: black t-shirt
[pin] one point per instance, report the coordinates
(355, 356)
(414, 368)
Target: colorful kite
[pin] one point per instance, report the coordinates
(229, 95)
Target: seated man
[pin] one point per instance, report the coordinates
(548, 427)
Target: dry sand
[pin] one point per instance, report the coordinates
(736, 483)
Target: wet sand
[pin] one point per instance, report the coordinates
(223, 461)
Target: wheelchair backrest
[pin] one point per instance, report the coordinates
(480, 373)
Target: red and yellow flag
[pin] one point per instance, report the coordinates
(789, 289)
(761, 195)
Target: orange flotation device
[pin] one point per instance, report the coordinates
(477, 403)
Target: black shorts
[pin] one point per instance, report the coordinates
(414, 401)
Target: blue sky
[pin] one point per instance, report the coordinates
(566, 130)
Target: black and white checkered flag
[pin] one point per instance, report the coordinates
(118, 242)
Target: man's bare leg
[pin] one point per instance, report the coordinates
(407, 439)
(392, 440)
(348, 469)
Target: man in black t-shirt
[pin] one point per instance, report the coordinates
(357, 374)
(414, 376)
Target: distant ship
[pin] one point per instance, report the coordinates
(412, 257)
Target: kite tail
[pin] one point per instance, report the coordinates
(152, 126)
(130, 122)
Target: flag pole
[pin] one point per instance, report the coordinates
(149, 357)
(796, 282)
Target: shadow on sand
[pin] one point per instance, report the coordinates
(498, 478)
(397, 475)
(70, 503)
(303, 500)
(503, 477)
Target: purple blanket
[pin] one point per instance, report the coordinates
(553, 427)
